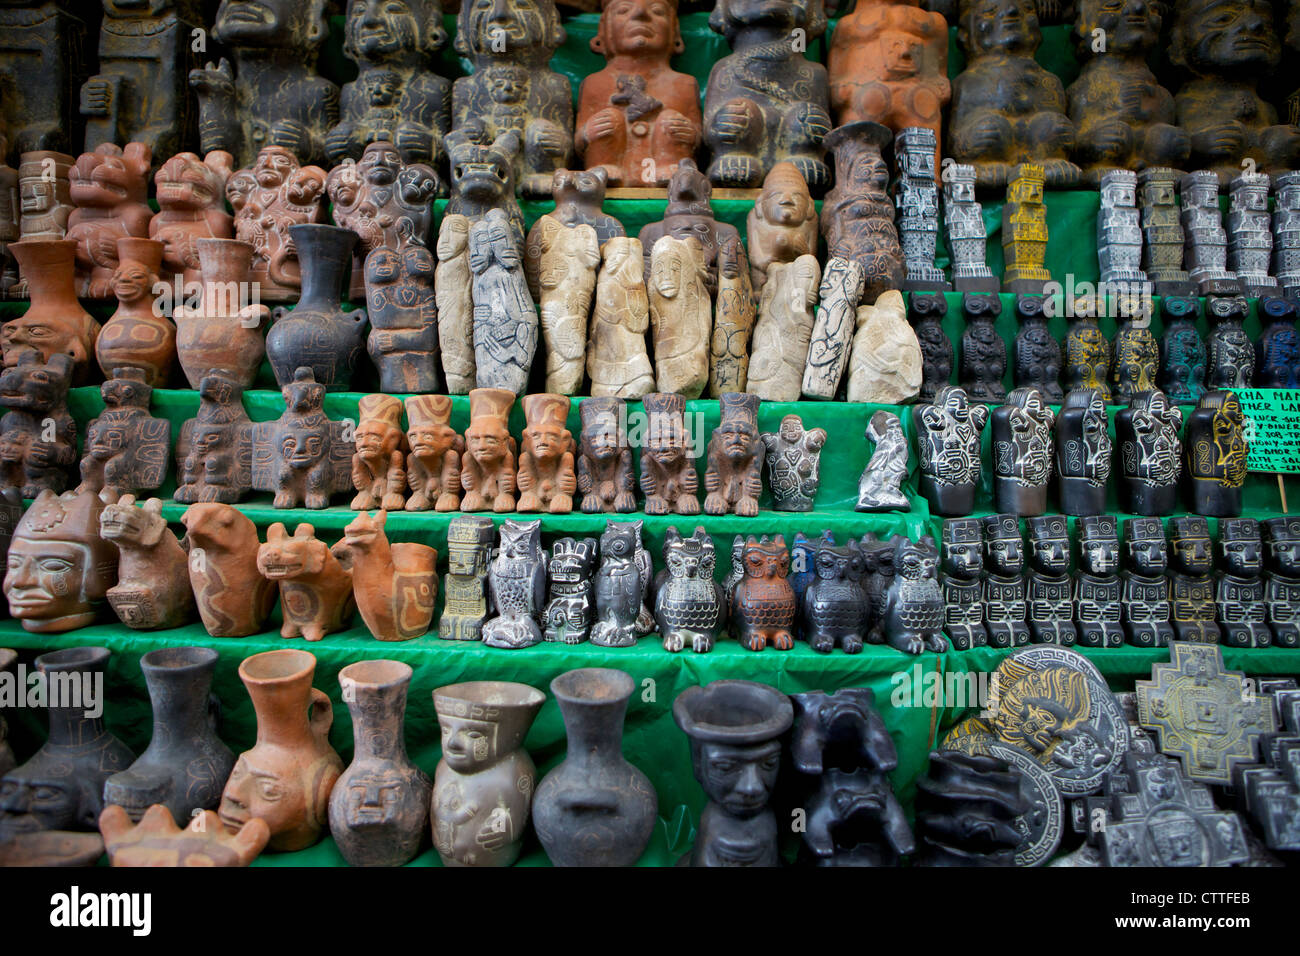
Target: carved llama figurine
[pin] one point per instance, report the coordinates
(153, 579)
(315, 590)
(394, 584)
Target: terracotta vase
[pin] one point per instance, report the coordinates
(318, 334)
(55, 323)
(595, 808)
(287, 777)
(224, 333)
(234, 599)
(135, 337)
(186, 763)
(483, 787)
(379, 808)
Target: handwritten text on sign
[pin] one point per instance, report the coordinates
(1272, 428)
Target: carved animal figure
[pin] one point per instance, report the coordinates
(569, 607)
(763, 605)
(153, 583)
(191, 205)
(834, 605)
(110, 188)
(395, 584)
(302, 456)
(234, 599)
(315, 591)
(913, 615)
(621, 586)
(33, 455)
(517, 586)
(689, 604)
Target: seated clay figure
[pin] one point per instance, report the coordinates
(637, 118)
(1227, 46)
(191, 205)
(1124, 117)
(109, 187)
(782, 226)
(1006, 109)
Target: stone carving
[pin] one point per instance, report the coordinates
(191, 205)
(1206, 251)
(316, 595)
(1006, 610)
(960, 577)
(1281, 537)
(402, 308)
(911, 612)
(570, 601)
(394, 584)
(973, 809)
(681, 315)
(465, 605)
(135, 337)
(483, 175)
(55, 322)
(637, 117)
(9, 212)
(983, 350)
(1162, 232)
(505, 319)
(1037, 354)
(857, 215)
(617, 361)
(1119, 232)
(1227, 49)
(109, 188)
(734, 479)
(1048, 585)
(668, 478)
(1277, 350)
(517, 586)
(153, 581)
(127, 450)
(1145, 608)
(1286, 234)
(689, 606)
(1239, 588)
(1087, 355)
(1083, 453)
(689, 214)
(1024, 232)
(433, 462)
(1250, 234)
(917, 198)
(511, 88)
(272, 96)
(234, 598)
(833, 604)
(622, 585)
(1192, 579)
(487, 472)
(1097, 588)
(782, 225)
(45, 199)
(579, 195)
(214, 453)
(568, 260)
(604, 470)
(303, 456)
(546, 478)
(397, 96)
(948, 450)
(42, 49)
(1215, 450)
(793, 457)
(879, 487)
(782, 337)
(379, 465)
(1136, 355)
(886, 365)
(832, 331)
(762, 602)
(963, 218)
(1230, 354)
(453, 295)
(1022, 452)
(33, 457)
(1006, 109)
(272, 194)
(222, 334)
(766, 102)
(1150, 454)
(926, 312)
(1182, 352)
(736, 309)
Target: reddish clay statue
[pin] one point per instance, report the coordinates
(191, 205)
(546, 464)
(487, 472)
(287, 777)
(224, 333)
(234, 598)
(157, 841)
(668, 478)
(315, 590)
(379, 466)
(55, 322)
(153, 582)
(638, 118)
(110, 188)
(734, 478)
(433, 464)
(394, 584)
(136, 336)
(763, 604)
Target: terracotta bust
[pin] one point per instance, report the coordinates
(782, 226)
(638, 118)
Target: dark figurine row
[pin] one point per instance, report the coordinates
(998, 594)
(1030, 444)
(637, 118)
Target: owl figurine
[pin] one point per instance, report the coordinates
(516, 586)
(622, 584)
(763, 605)
(835, 605)
(912, 617)
(689, 605)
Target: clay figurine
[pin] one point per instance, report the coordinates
(402, 308)
(1162, 232)
(762, 602)
(1150, 454)
(917, 198)
(668, 478)
(1277, 350)
(689, 606)
(453, 296)
(568, 259)
(55, 322)
(379, 806)
(681, 315)
(1083, 453)
(734, 479)
(1037, 354)
(214, 453)
(379, 465)
(782, 337)
(1006, 609)
(517, 586)
(831, 336)
(570, 601)
(1206, 241)
(857, 216)
(735, 728)
(983, 350)
(483, 787)
(483, 176)
(766, 102)
(886, 365)
(1024, 232)
(33, 456)
(782, 225)
(45, 200)
(1230, 354)
(1022, 452)
(834, 606)
(186, 763)
(1097, 588)
(948, 450)
(926, 312)
(1281, 536)
(126, 450)
(1215, 452)
(963, 218)
(234, 598)
(1145, 604)
(546, 477)
(1006, 109)
(109, 187)
(157, 841)
(134, 336)
(1048, 585)
(912, 611)
(604, 471)
(1239, 589)
(622, 584)
(270, 195)
(287, 777)
(1087, 356)
(688, 214)
(153, 582)
(793, 456)
(637, 117)
(960, 576)
(617, 362)
(315, 590)
(191, 193)
(1182, 351)
(487, 473)
(578, 196)
(272, 96)
(505, 320)
(465, 606)
(512, 89)
(222, 333)
(397, 96)
(303, 456)
(1192, 580)
(433, 462)
(394, 584)
(879, 486)
(733, 324)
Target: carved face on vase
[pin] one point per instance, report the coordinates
(133, 282)
(1098, 545)
(1191, 550)
(1240, 547)
(1148, 554)
(58, 566)
(998, 26)
(738, 779)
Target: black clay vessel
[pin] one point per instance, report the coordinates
(1083, 453)
(595, 808)
(1150, 454)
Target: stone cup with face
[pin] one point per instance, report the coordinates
(483, 722)
(1049, 544)
(963, 548)
(1004, 550)
(1144, 540)
(1191, 549)
(1098, 545)
(1240, 547)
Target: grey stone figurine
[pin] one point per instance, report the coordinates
(1097, 587)
(516, 586)
(961, 577)
(879, 487)
(793, 457)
